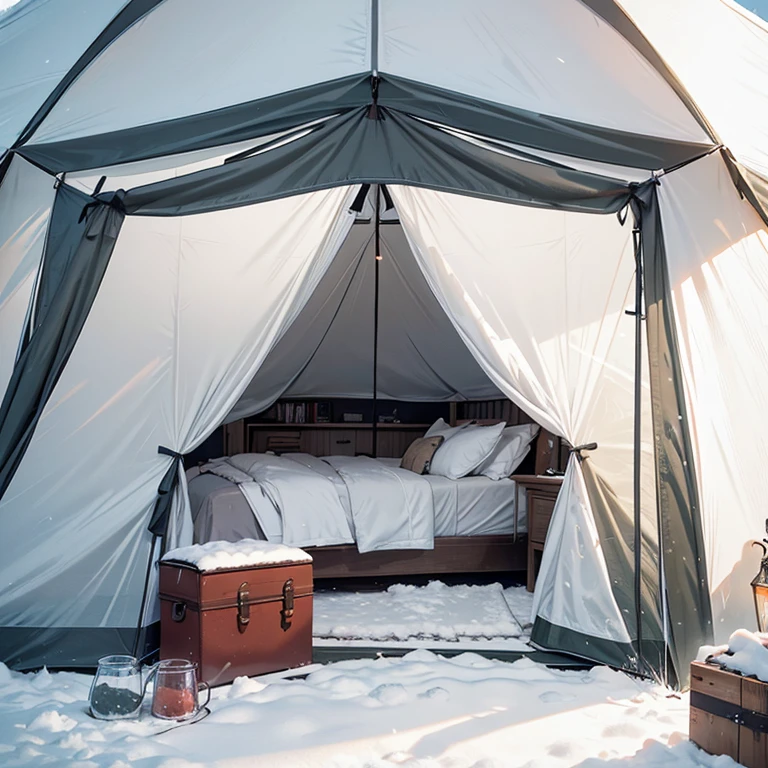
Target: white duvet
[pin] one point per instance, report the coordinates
(304, 501)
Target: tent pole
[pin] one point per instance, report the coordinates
(639, 317)
(377, 249)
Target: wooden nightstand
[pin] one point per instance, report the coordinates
(541, 493)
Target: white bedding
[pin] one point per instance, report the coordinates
(310, 512)
(474, 506)
(392, 508)
(306, 501)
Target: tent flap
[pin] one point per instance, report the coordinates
(396, 149)
(41, 363)
(228, 125)
(680, 531)
(534, 129)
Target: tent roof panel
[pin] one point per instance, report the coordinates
(35, 55)
(556, 57)
(192, 56)
(720, 53)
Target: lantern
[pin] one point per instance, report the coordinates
(760, 586)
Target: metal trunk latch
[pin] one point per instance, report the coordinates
(287, 613)
(243, 608)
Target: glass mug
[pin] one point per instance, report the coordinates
(116, 690)
(176, 690)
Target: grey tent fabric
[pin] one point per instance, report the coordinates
(274, 113)
(30, 648)
(751, 185)
(617, 532)
(541, 132)
(681, 544)
(228, 125)
(78, 260)
(328, 350)
(393, 149)
(65, 232)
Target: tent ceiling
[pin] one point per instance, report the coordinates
(328, 351)
(557, 57)
(556, 75)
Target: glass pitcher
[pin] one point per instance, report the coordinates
(176, 690)
(116, 690)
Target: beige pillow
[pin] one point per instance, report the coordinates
(419, 454)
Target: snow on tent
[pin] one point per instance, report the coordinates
(179, 184)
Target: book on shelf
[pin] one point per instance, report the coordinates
(297, 412)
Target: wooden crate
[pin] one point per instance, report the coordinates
(729, 714)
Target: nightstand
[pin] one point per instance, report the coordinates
(541, 493)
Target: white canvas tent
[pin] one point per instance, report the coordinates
(176, 207)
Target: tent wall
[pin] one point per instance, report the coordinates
(192, 306)
(539, 299)
(26, 197)
(717, 256)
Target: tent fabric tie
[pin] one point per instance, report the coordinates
(158, 523)
(578, 449)
(158, 526)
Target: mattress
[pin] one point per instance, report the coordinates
(220, 512)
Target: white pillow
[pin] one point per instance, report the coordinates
(511, 449)
(441, 429)
(465, 451)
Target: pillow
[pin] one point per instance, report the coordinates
(511, 449)
(465, 451)
(446, 430)
(419, 454)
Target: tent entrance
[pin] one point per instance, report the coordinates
(523, 293)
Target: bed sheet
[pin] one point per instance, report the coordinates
(472, 506)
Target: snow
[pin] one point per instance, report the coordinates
(419, 711)
(437, 612)
(217, 555)
(746, 652)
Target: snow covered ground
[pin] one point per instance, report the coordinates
(420, 711)
(437, 616)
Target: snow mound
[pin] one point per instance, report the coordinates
(246, 553)
(747, 652)
(419, 711)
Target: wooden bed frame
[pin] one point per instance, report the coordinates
(452, 554)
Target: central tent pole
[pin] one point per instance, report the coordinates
(377, 252)
(638, 313)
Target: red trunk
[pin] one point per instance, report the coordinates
(243, 621)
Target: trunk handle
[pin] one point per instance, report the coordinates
(287, 612)
(178, 611)
(243, 607)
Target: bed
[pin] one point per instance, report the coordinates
(360, 516)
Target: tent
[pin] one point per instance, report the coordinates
(581, 189)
